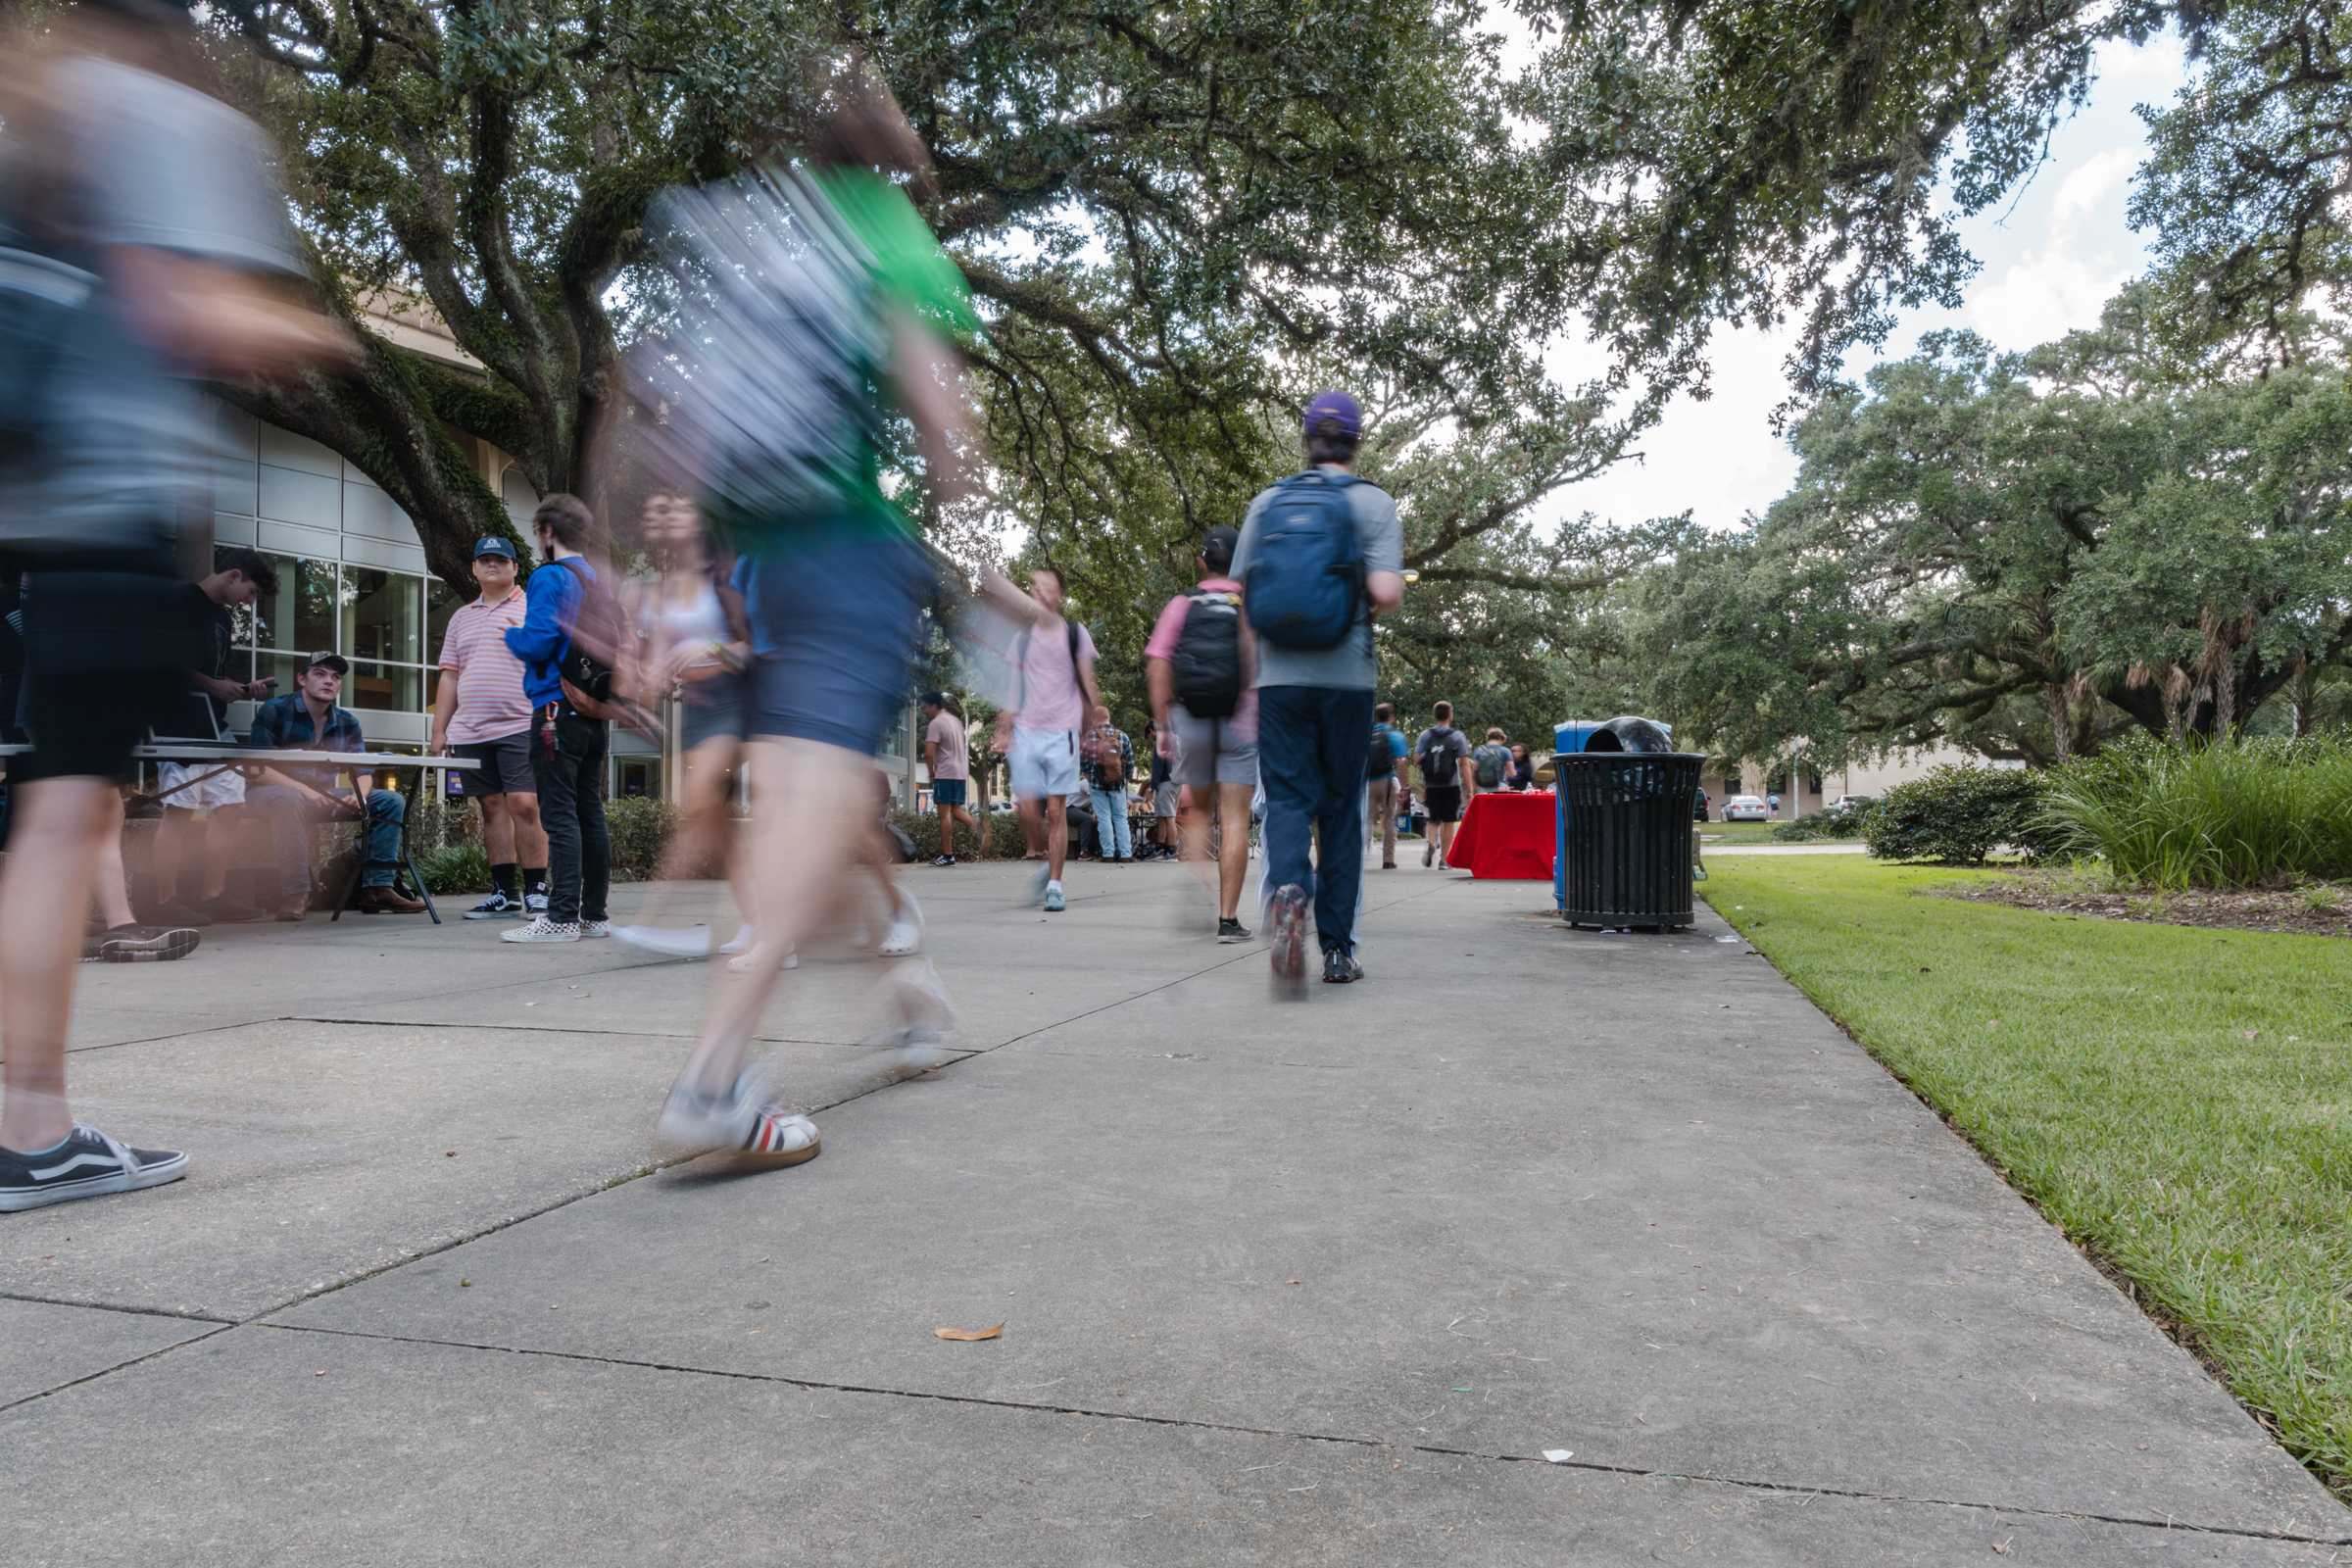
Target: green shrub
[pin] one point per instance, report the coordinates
(1846, 824)
(454, 868)
(640, 829)
(2233, 814)
(1004, 837)
(1960, 816)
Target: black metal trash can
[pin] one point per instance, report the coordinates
(1627, 842)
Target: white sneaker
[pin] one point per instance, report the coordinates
(917, 1017)
(669, 940)
(543, 930)
(904, 937)
(596, 928)
(746, 962)
(744, 940)
(742, 1121)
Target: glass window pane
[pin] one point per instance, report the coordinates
(439, 605)
(284, 668)
(300, 618)
(380, 687)
(383, 615)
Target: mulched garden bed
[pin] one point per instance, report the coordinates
(2320, 910)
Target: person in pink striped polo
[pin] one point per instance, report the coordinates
(480, 711)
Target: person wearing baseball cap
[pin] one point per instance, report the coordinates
(1315, 671)
(290, 798)
(480, 711)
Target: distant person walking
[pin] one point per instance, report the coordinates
(1196, 666)
(1320, 554)
(947, 758)
(1055, 664)
(1443, 755)
(482, 711)
(1384, 766)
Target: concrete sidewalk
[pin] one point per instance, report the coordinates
(1284, 1284)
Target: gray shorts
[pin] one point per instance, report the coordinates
(1163, 799)
(1210, 750)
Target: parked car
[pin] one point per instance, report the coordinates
(1699, 807)
(1850, 803)
(1745, 809)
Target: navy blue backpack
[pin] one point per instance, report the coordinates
(1305, 587)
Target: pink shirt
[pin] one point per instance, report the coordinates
(1170, 626)
(491, 704)
(1051, 696)
(947, 732)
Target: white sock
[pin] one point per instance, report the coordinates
(1053, 884)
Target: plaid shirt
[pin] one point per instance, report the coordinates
(283, 724)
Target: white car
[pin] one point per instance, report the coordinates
(1851, 802)
(1745, 809)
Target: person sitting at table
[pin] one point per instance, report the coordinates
(290, 798)
(1522, 773)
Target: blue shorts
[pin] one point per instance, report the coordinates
(835, 619)
(947, 791)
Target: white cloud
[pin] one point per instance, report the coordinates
(2043, 296)
(2102, 175)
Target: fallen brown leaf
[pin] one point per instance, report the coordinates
(967, 1336)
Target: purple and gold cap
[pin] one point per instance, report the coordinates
(1340, 408)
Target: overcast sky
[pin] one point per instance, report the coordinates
(2051, 258)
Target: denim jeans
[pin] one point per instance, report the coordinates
(1110, 822)
(1310, 759)
(289, 817)
(567, 763)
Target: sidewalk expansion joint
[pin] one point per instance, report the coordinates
(219, 1328)
(1335, 1440)
(126, 1311)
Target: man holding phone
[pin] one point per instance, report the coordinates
(291, 798)
(192, 843)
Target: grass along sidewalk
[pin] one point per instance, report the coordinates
(2178, 1100)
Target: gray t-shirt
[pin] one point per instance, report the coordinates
(1455, 742)
(157, 166)
(1352, 664)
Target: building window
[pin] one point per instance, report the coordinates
(374, 618)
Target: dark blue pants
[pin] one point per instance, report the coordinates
(1311, 757)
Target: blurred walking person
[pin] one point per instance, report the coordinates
(697, 647)
(1054, 660)
(818, 301)
(1197, 666)
(145, 248)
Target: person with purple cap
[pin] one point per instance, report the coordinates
(1320, 554)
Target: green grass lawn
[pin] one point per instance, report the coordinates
(2178, 1101)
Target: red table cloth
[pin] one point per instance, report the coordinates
(1508, 834)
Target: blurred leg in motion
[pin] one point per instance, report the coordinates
(55, 845)
(797, 859)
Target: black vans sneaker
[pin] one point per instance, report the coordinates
(88, 1164)
(146, 944)
(497, 907)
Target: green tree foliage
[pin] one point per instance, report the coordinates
(2028, 553)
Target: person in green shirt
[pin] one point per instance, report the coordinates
(814, 310)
